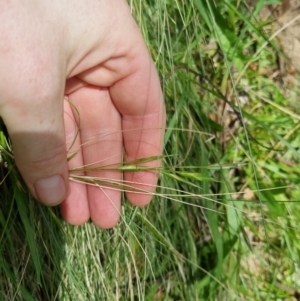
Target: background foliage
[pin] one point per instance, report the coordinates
(224, 224)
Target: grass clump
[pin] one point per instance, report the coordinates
(224, 222)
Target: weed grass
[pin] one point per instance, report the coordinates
(224, 223)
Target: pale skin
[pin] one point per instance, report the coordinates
(93, 53)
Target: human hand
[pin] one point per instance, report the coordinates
(93, 52)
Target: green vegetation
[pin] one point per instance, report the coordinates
(224, 224)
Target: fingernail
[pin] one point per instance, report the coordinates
(51, 191)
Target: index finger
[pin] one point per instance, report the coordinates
(139, 99)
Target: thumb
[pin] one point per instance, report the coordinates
(36, 128)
